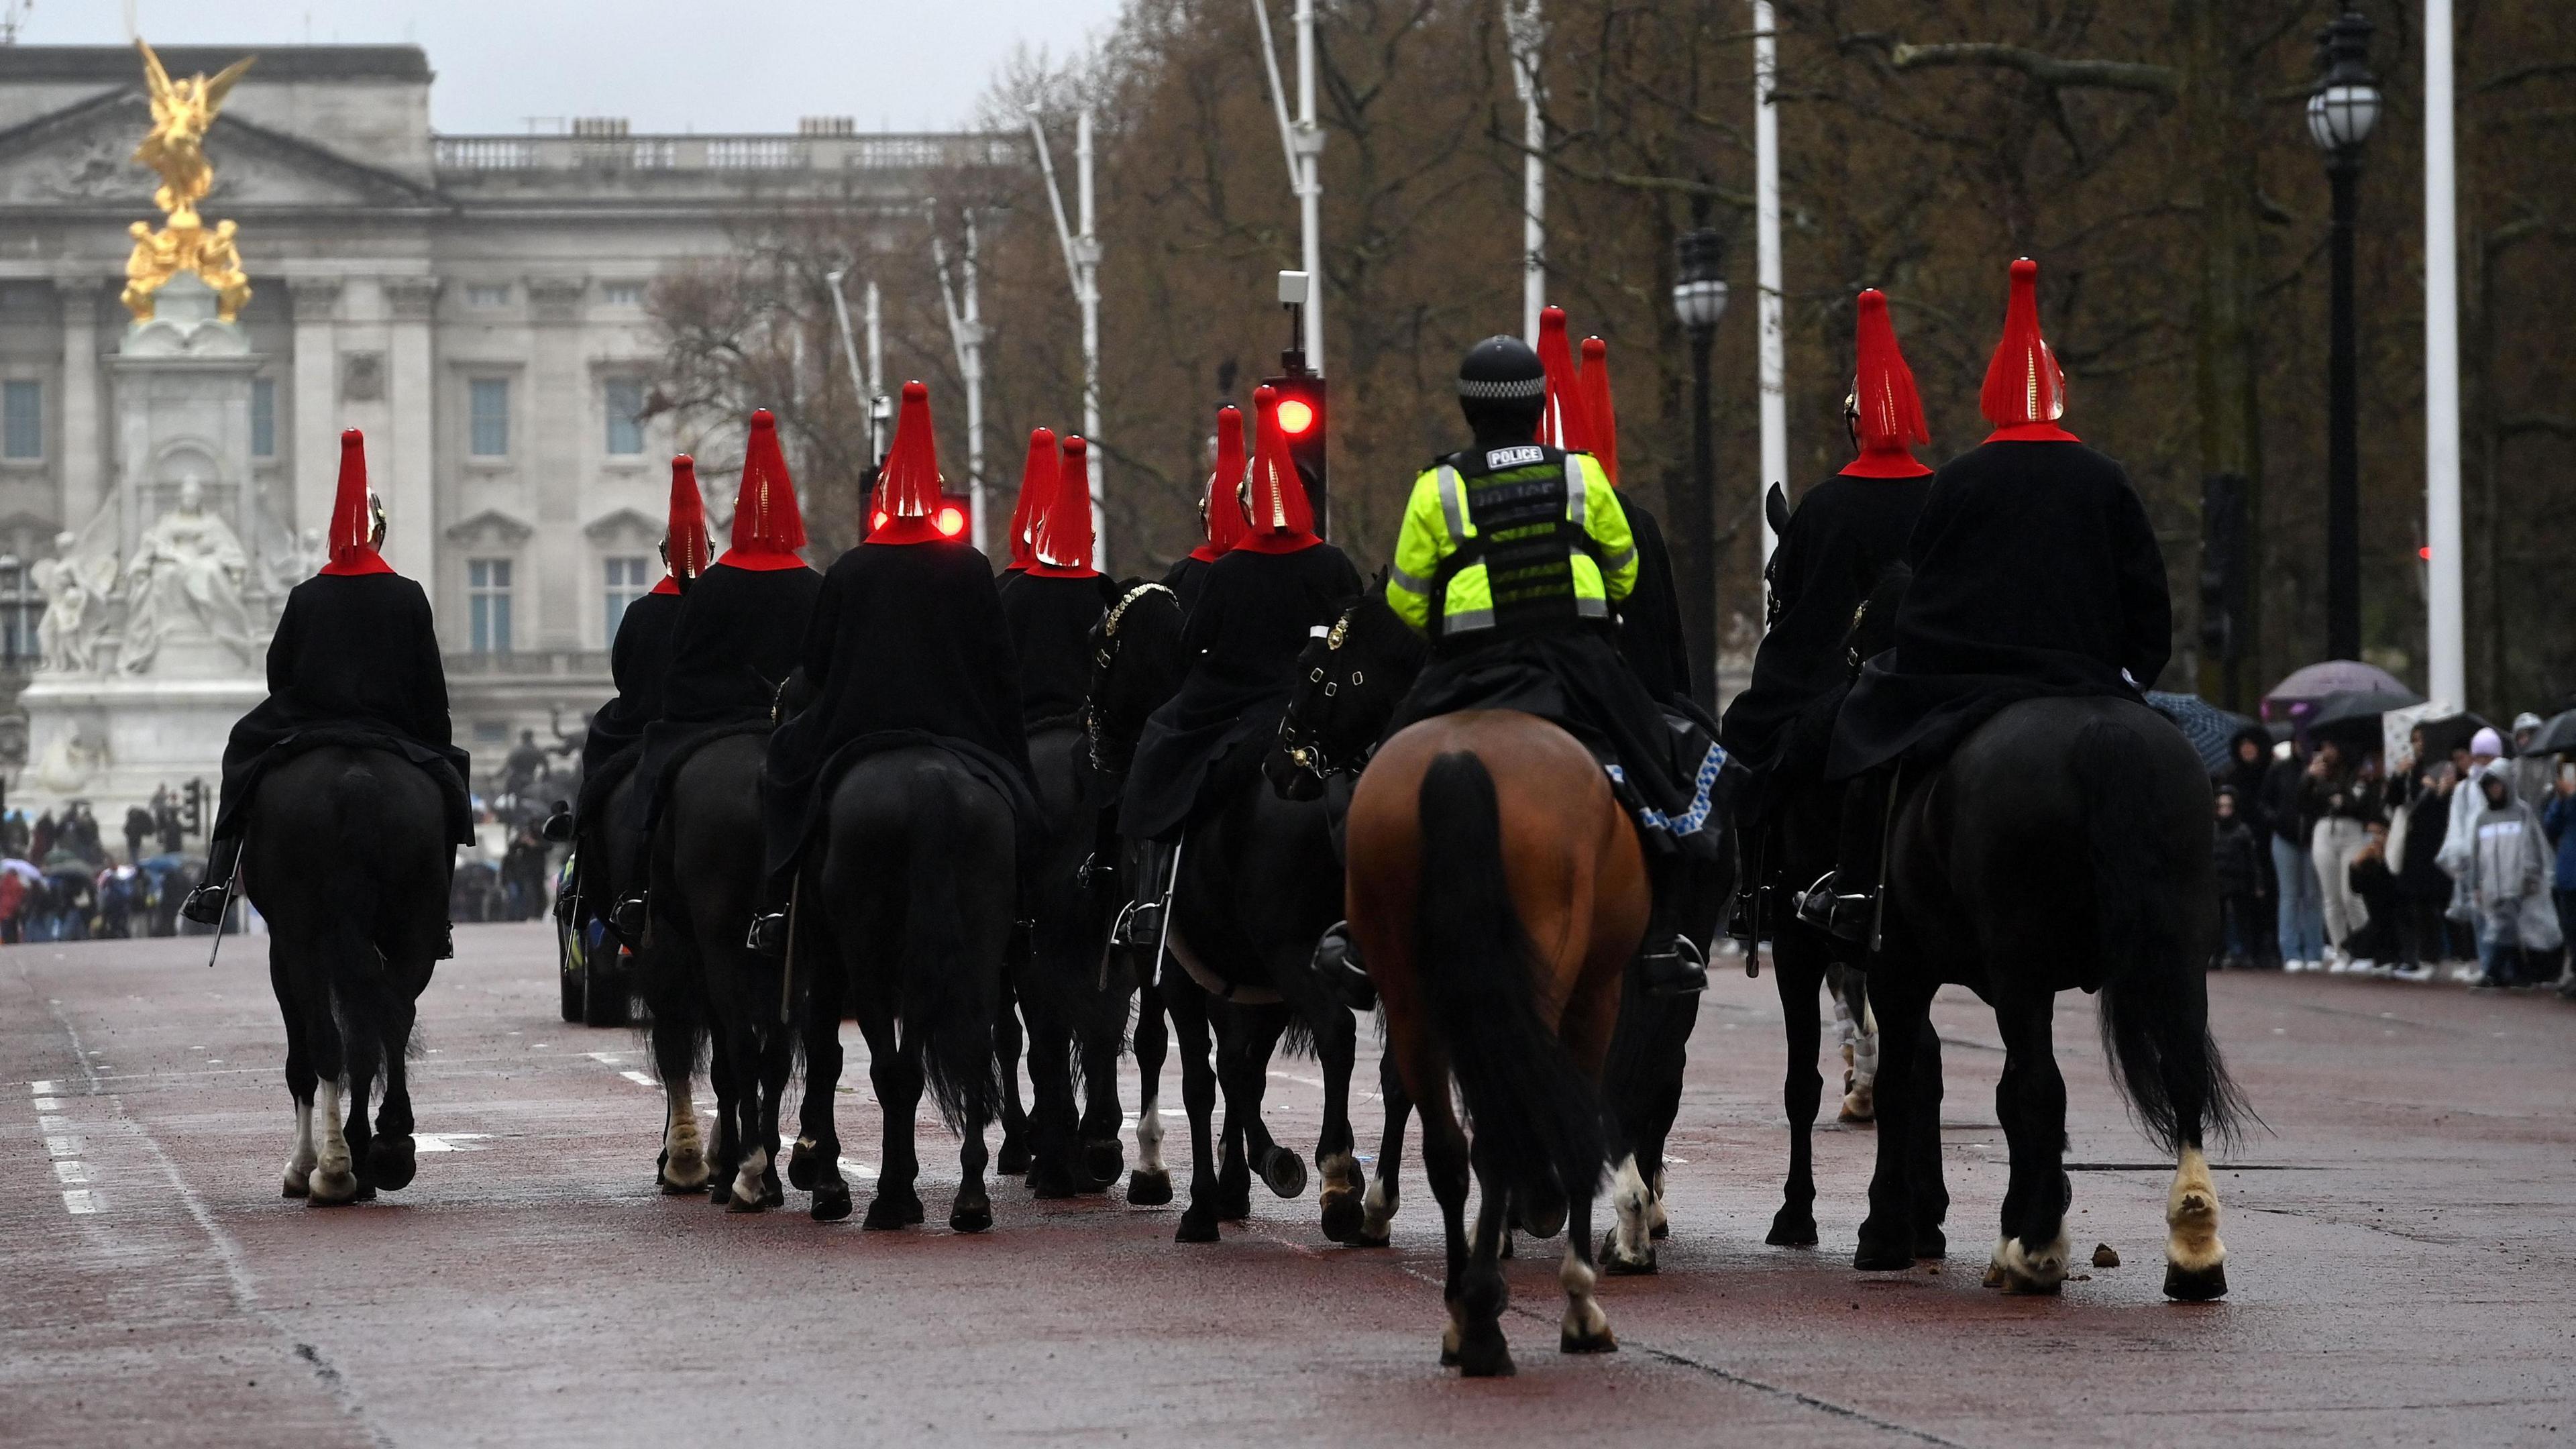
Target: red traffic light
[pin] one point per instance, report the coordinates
(950, 521)
(1295, 416)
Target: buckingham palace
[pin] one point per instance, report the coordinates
(475, 304)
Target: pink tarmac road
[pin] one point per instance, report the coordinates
(2400, 1240)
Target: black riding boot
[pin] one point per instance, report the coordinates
(1844, 904)
(1142, 923)
(1337, 964)
(1670, 959)
(205, 904)
(447, 929)
(1745, 916)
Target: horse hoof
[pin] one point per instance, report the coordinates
(886, 1214)
(1547, 1222)
(1877, 1257)
(1013, 1159)
(802, 1171)
(1485, 1356)
(1103, 1158)
(1792, 1229)
(1343, 1216)
(1662, 1230)
(330, 1189)
(298, 1183)
(1604, 1341)
(773, 1193)
(2019, 1270)
(391, 1163)
(1233, 1205)
(831, 1202)
(1931, 1243)
(739, 1201)
(970, 1216)
(1859, 1110)
(1283, 1172)
(1618, 1264)
(720, 1190)
(1049, 1181)
(1148, 1189)
(1198, 1225)
(2188, 1285)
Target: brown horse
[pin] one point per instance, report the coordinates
(1497, 892)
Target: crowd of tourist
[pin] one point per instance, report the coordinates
(2330, 858)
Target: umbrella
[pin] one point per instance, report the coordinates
(2452, 732)
(24, 870)
(2357, 712)
(2334, 676)
(2210, 729)
(2556, 737)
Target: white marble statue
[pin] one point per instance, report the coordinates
(186, 575)
(76, 597)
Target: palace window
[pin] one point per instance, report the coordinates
(627, 582)
(489, 399)
(488, 294)
(263, 417)
(622, 294)
(625, 402)
(487, 595)
(22, 419)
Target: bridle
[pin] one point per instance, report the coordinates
(1106, 655)
(1301, 744)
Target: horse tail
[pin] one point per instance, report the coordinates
(2155, 999)
(355, 963)
(948, 1005)
(1533, 1110)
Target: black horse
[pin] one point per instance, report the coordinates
(611, 867)
(2064, 845)
(1350, 680)
(1257, 883)
(904, 912)
(347, 857)
(697, 967)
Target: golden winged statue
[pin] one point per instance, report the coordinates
(182, 112)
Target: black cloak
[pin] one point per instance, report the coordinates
(735, 641)
(639, 662)
(1650, 618)
(1050, 619)
(907, 645)
(1187, 579)
(1846, 533)
(1242, 640)
(2035, 573)
(354, 661)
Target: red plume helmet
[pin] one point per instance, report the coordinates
(686, 545)
(1224, 507)
(1562, 424)
(908, 491)
(1891, 412)
(1279, 518)
(767, 528)
(1597, 411)
(353, 544)
(1064, 523)
(1037, 484)
(2025, 391)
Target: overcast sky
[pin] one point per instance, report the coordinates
(666, 65)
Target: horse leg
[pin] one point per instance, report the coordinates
(299, 1075)
(1150, 1185)
(1377, 1211)
(1850, 986)
(1923, 1148)
(1337, 1051)
(1250, 1145)
(1052, 1133)
(1103, 1155)
(815, 1164)
(752, 1125)
(724, 1079)
(1476, 1309)
(1887, 1234)
(1798, 971)
(1445, 1162)
(334, 1178)
(678, 1028)
(1014, 1157)
(2195, 1260)
(896, 1074)
(391, 1157)
(1189, 1007)
(2030, 1101)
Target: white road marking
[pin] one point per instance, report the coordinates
(53, 1124)
(638, 1078)
(41, 1089)
(63, 1146)
(80, 1201)
(605, 1059)
(49, 1104)
(446, 1141)
(72, 1174)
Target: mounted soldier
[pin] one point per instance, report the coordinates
(2035, 573)
(736, 636)
(1513, 557)
(906, 645)
(1259, 604)
(1220, 514)
(354, 661)
(1848, 531)
(1055, 598)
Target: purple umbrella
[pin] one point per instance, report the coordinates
(2336, 676)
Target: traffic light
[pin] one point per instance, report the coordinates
(195, 813)
(1301, 417)
(954, 510)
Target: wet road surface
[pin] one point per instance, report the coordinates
(2399, 1240)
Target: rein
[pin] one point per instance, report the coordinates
(1103, 658)
(1303, 746)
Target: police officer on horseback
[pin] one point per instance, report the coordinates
(354, 660)
(1513, 557)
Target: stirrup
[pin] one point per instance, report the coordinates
(768, 935)
(1141, 924)
(558, 826)
(1337, 961)
(1674, 967)
(204, 905)
(627, 918)
(1843, 915)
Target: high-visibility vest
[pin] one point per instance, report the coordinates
(1511, 540)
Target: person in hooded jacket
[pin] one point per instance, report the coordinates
(1260, 603)
(2036, 573)
(737, 635)
(907, 644)
(355, 654)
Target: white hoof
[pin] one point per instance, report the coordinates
(686, 1169)
(2015, 1270)
(326, 1186)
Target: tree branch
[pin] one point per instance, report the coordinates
(2048, 70)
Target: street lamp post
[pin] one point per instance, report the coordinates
(1699, 300)
(2341, 112)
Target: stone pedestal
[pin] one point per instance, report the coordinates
(170, 587)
